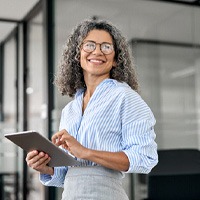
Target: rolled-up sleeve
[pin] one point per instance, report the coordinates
(139, 146)
(57, 179)
(138, 136)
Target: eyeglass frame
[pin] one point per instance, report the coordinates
(96, 46)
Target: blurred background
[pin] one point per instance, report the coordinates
(164, 37)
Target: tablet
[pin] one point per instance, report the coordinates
(32, 140)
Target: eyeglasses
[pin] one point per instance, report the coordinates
(105, 47)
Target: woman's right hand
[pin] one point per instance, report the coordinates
(38, 161)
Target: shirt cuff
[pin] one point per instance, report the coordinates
(138, 162)
(57, 179)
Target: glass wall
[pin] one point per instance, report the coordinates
(8, 151)
(23, 64)
(9, 97)
(36, 93)
(165, 39)
(167, 72)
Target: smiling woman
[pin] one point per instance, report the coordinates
(107, 127)
(96, 64)
(70, 68)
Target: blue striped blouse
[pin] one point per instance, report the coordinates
(115, 119)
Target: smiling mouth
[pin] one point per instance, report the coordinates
(96, 61)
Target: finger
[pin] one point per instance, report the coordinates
(56, 137)
(47, 160)
(66, 137)
(65, 146)
(41, 161)
(44, 161)
(35, 159)
(31, 155)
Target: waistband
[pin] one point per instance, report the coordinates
(94, 170)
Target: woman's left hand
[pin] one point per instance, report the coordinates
(68, 142)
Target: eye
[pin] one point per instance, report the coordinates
(106, 46)
(89, 45)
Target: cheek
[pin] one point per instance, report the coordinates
(82, 58)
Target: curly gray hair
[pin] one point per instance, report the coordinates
(70, 78)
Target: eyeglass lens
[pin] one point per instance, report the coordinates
(90, 46)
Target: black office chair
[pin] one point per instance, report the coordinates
(176, 177)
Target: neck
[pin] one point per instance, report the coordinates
(92, 82)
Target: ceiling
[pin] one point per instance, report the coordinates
(138, 19)
(146, 18)
(12, 10)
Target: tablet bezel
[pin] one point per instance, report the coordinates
(32, 140)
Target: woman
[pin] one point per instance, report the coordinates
(107, 127)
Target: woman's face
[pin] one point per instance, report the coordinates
(96, 63)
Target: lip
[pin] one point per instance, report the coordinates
(96, 60)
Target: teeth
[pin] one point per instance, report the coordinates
(96, 61)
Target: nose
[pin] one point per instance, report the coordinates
(97, 50)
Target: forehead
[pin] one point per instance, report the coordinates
(99, 36)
